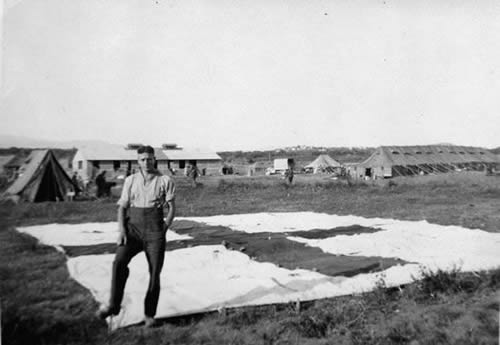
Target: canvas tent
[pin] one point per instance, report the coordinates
(390, 161)
(42, 179)
(324, 163)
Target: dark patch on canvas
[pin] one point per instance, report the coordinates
(269, 247)
(341, 230)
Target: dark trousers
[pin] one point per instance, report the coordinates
(144, 232)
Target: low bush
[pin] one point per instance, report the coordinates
(448, 282)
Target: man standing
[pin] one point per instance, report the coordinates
(76, 183)
(100, 182)
(289, 175)
(193, 173)
(289, 171)
(141, 227)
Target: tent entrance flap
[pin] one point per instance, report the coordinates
(49, 187)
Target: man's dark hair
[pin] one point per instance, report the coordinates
(146, 149)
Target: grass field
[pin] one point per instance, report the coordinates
(41, 304)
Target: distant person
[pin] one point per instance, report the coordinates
(86, 184)
(103, 186)
(100, 182)
(142, 228)
(77, 183)
(289, 175)
(193, 173)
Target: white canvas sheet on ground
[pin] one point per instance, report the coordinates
(431, 245)
(84, 234)
(206, 278)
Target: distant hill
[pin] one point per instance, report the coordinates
(64, 151)
(8, 141)
(22, 153)
(444, 144)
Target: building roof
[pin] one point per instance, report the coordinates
(4, 160)
(114, 153)
(119, 153)
(191, 154)
(16, 162)
(107, 153)
(430, 154)
(29, 169)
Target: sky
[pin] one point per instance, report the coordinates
(244, 75)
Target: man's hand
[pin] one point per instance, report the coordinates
(166, 226)
(170, 215)
(122, 239)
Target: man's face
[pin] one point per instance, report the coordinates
(146, 161)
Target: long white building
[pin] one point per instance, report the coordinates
(118, 160)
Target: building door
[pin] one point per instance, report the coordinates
(96, 167)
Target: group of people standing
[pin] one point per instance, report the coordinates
(103, 187)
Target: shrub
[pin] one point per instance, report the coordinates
(330, 317)
(243, 317)
(446, 282)
(392, 184)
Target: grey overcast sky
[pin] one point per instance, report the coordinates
(240, 74)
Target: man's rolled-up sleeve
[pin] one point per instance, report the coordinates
(169, 189)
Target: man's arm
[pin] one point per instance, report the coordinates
(122, 227)
(170, 214)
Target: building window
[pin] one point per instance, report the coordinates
(116, 165)
(182, 164)
(80, 164)
(96, 164)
